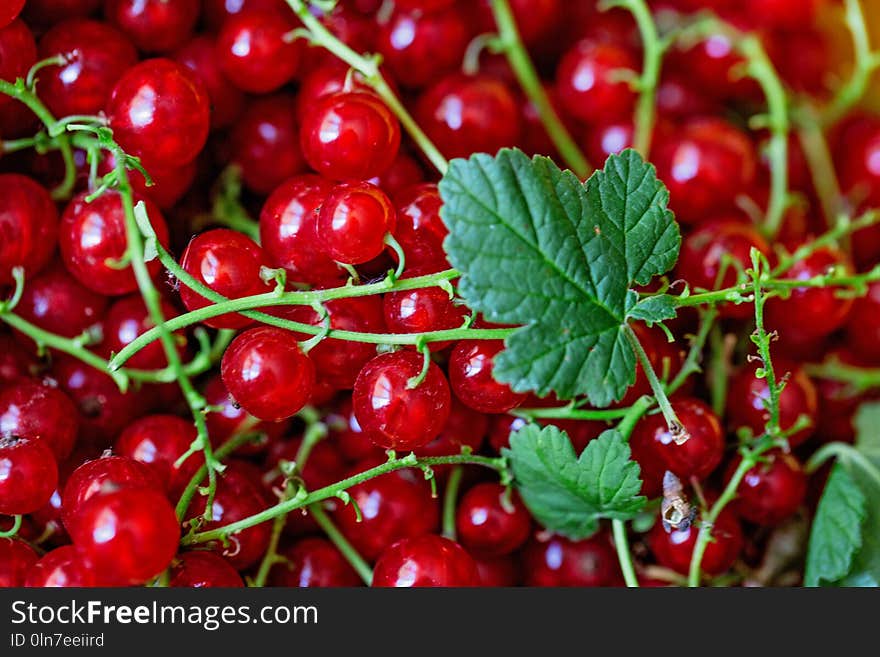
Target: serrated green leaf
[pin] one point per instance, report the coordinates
(537, 248)
(654, 309)
(570, 494)
(836, 535)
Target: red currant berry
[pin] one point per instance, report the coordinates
(712, 256)
(229, 263)
(227, 101)
(500, 428)
(160, 112)
(418, 47)
(700, 454)
(585, 81)
(863, 325)
(169, 183)
(227, 419)
(53, 11)
(28, 474)
(62, 567)
(465, 428)
(10, 11)
(501, 571)
(349, 135)
(267, 373)
(464, 115)
(674, 549)
(313, 562)
(16, 560)
(422, 310)
(706, 165)
(39, 410)
(403, 173)
(394, 412)
(254, 52)
(131, 533)
(394, 506)
(288, 231)
(154, 25)
(93, 242)
(15, 364)
(549, 560)
(346, 434)
(772, 490)
(748, 395)
(18, 52)
(159, 441)
(810, 312)
(265, 143)
(714, 67)
(491, 521)
(28, 226)
(535, 19)
(353, 222)
(127, 318)
(96, 55)
(200, 569)
(427, 560)
(470, 373)
(651, 462)
(215, 12)
(420, 230)
(330, 77)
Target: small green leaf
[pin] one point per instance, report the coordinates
(836, 535)
(567, 494)
(538, 248)
(653, 309)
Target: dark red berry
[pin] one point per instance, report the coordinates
(586, 84)
(63, 567)
(18, 52)
(28, 226)
(423, 310)
(674, 549)
(226, 419)
(419, 230)
(353, 222)
(201, 569)
(126, 319)
(39, 410)
(313, 562)
(427, 560)
(772, 490)
(465, 429)
(154, 25)
(492, 521)
(863, 325)
(470, 374)
(16, 560)
(10, 11)
(28, 474)
(159, 441)
(549, 560)
(227, 101)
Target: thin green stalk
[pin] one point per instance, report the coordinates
(361, 567)
(762, 340)
(570, 412)
(634, 414)
(511, 45)
(621, 544)
(335, 489)
(691, 363)
(450, 500)
(818, 156)
(12, 531)
(860, 379)
(319, 35)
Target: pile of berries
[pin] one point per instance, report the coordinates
(264, 162)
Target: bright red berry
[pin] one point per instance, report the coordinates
(585, 82)
(863, 325)
(772, 490)
(419, 230)
(18, 52)
(154, 25)
(126, 319)
(63, 567)
(201, 569)
(28, 226)
(549, 560)
(227, 101)
(353, 222)
(492, 521)
(10, 11)
(470, 374)
(159, 441)
(28, 474)
(674, 549)
(39, 410)
(427, 560)
(16, 560)
(313, 562)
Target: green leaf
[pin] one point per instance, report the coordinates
(836, 535)
(538, 248)
(567, 494)
(654, 309)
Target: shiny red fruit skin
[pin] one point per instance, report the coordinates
(353, 222)
(489, 524)
(15, 364)
(253, 52)
(265, 143)
(705, 164)
(154, 25)
(288, 231)
(772, 490)
(227, 101)
(501, 571)
(267, 373)
(810, 312)
(423, 310)
(427, 560)
(102, 474)
(97, 55)
(51, 11)
(418, 47)
(16, 560)
(470, 374)
(18, 52)
(28, 226)
(160, 112)
(863, 325)
(464, 115)
(56, 302)
(549, 560)
(703, 450)
(674, 550)
(28, 474)
(535, 19)
(349, 136)
(229, 263)
(92, 233)
(63, 567)
(131, 534)
(169, 183)
(747, 395)
(158, 441)
(584, 85)
(419, 230)
(465, 428)
(396, 505)
(328, 78)
(391, 413)
(128, 318)
(313, 562)
(704, 251)
(227, 419)
(216, 12)
(201, 569)
(10, 11)
(39, 410)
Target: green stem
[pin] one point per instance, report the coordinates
(12, 531)
(335, 489)
(510, 43)
(726, 295)
(860, 379)
(845, 452)
(634, 414)
(361, 567)
(369, 68)
(621, 544)
(450, 500)
(569, 412)
(691, 363)
(762, 340)
(815, 148)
